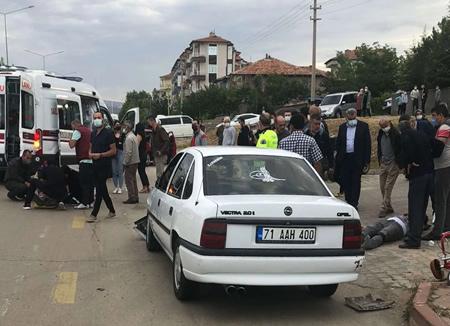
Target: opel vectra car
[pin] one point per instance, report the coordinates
(244, 216)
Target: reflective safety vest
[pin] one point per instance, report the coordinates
(268, 139)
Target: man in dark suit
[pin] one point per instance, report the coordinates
(353, 148)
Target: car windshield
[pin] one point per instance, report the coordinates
(260, 175)
(331, 99)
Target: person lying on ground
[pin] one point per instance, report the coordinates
(388, 230)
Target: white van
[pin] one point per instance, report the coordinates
(180, 125)
(36, 111)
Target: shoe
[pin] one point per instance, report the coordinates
(406, 245)
(61, 206)
(144, 190)
(119, 190)
(91, 219)
(91, 205)
(111, 215)
(389, 211)
(382, 214)
(27, 206)
(429, 236)
(81, 206)
(115, 191)
(14, 198)
(131, 201)
(339, 194)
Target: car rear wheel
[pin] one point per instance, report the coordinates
(323, 291)
(183, 288)
(150, 240)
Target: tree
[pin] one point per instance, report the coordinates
(154, 103)
(428, 62)
(376, 66)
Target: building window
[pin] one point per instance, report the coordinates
(230, 53)
(27, 110)
(212, 49)
(212, 78)
(212, 59)
(212, 69)
(229, 68)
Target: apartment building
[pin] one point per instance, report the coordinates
(202, 63)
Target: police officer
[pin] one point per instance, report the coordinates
(267, 138)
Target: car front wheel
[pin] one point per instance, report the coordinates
(323, 291)
(184, 289)
(150, 240)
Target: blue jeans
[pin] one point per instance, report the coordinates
(117, 169)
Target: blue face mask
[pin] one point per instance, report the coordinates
(98, 122)
(434, 122)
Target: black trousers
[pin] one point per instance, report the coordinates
(101, 175)
(402, 109)
(415, 105)
(351, 180)
(16, 189)
(86, 177)
(142, 173)
(50, 190)
(418, 194)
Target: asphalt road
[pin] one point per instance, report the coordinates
(57, 270)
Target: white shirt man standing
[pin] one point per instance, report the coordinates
(229, 133)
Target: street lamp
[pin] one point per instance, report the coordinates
(43, 56)
(6, 30)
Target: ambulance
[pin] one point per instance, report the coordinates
(36, 111)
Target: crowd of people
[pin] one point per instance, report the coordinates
(417, 147)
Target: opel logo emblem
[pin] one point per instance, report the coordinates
(288, 211)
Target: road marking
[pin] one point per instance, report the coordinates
(78, 222)
(66, 288)
(44, 234)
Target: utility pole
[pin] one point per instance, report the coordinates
(314, 19)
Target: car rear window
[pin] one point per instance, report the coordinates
(260, 175)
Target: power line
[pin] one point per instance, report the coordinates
(346, 8)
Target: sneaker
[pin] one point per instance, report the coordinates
(91, 219)
(61, 206)
(81, 206)
(27, 206)
(111, 215)
(115, 191)
(119, 190)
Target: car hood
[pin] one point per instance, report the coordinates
(279, 206)
(328, 107)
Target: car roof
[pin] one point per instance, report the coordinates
(240, 150)
(343, 93)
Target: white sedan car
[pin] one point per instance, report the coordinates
(251, 119)
(242, 216)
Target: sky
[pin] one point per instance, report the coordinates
(122, 45)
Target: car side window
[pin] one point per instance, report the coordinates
(189, 186)
(180, 176)
(187, 120)
(350, 98)
(163, 182)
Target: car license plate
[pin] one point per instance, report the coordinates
(279, 234)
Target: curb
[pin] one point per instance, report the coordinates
(421, 314)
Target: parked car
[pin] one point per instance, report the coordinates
(242, 216)
(387, 103)
(251, 119)
(180, 125)
(335, 105)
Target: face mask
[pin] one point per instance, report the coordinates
(352, 123)
(287, 118)
(419, 117)
(434, 122)
(226, 124)
(386, 129)
(98, 122)
(308, 117)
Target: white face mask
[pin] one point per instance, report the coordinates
(352, 123)
(287, 118)
(419, 117)
(226, 124)
(386, 129)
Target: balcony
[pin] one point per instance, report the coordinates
(196, 75)
(199, 58)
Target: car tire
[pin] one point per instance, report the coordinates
(150, 241)
(366, 169)
(323, 291)
(183, 288)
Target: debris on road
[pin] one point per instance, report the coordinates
(368, 303)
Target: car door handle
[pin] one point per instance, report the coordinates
(159, 202)
(170, 211)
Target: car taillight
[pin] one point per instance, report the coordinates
(352, 234)
(37, 143)
(214, 234)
